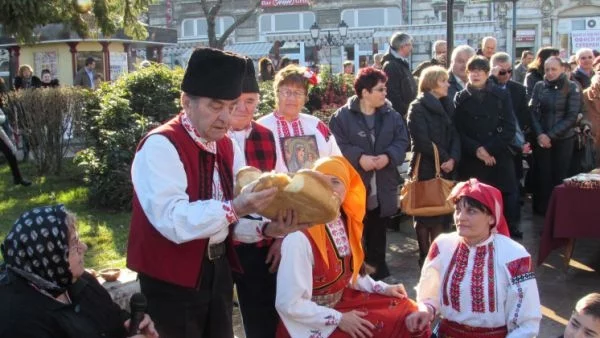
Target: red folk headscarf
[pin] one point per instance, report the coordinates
(488, 196)
(354, 206)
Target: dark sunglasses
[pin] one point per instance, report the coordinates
(504, 72)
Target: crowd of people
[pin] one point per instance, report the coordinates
(192, 237)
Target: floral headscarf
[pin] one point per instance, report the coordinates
(37, 248)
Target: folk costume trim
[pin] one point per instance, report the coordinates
(339, 237)
(478, 303)
(434, 251)
(462, 260)
(283, 129)
(211, 147)
(491, 278)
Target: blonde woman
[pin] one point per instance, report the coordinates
(25, 78)
(430, 122)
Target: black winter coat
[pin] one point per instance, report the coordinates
(351, 132)
(532, 77)
(35, 82)
(584, 81)
(484, 118)
(554, 107)
(454, 88)
(430, 120)
(401, 86)
(518, 97)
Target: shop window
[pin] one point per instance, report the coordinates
(191, 28)
(286, 22)
(372, 17)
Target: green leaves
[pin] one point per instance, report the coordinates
(22, 18)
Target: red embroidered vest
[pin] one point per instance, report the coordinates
(150, 253)
(332, 279)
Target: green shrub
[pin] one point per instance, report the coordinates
(117, 118)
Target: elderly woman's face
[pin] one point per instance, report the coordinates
(77, 250)
(290, 100)
(471, 223)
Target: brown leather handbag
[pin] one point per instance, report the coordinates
(429, 197)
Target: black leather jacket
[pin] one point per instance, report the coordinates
(554, 107)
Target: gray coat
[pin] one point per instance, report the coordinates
(349, 127)
(82, 79)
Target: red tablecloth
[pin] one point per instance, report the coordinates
(572, 213)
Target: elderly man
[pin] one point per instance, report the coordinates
(488, 47)
(519, 72)
(183, 204)
(440, 55)
(401, 85)
(501, 69)
(585, 68)
(256, 286)
(457, 76)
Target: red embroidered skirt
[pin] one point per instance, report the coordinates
(450, 329)
(386, 313)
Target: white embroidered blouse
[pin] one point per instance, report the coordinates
(488, 285)
(304, 125)
(303, 317)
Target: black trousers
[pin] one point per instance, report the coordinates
(12, 161)
(256, 292)
(512, 210)
(374, 238)
(205, 312)
(551, 167)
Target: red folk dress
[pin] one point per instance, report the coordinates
(332, 293)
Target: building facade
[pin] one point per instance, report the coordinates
(283, 27)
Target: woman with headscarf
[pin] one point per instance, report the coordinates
(44, 288)
(479, 281)
(322, 289)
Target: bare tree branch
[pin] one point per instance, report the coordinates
(237, 23)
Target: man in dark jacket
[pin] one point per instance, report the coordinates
(401, 86)
(440, 55)
(457, 76)
(500, 74)
(585, 68)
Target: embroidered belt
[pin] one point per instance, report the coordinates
(450, 329)
(329, 300)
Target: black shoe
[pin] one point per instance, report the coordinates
(516, 234)
(23, 182)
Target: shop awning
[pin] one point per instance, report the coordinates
(254, 50)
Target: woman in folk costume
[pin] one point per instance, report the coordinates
(479, 281)
(320, 291)
(291, 127)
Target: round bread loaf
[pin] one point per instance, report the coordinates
(306, 192)
(245, 176)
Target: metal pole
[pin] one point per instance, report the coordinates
(514, 31)
(450, 26)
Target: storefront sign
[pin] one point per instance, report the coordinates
(589, 38)
(525, 35)
(118, 65)
(283, 3)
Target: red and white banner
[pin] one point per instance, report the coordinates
(283, 3)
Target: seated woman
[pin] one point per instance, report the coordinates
(44, 288)
(320, 292)
(479, 281)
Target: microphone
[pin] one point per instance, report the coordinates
(137, 305)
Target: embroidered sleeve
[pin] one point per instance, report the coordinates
(429, 287)
(523, 314)
(301, 316)
(324, 130)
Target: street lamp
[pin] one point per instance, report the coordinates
(329, 39)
